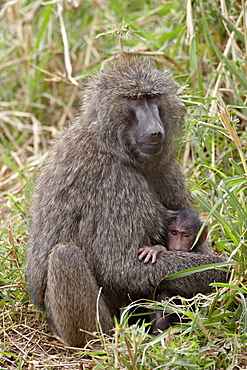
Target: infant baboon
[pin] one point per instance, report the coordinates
(180, 232)
(106, 186)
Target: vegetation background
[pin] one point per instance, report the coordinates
(46, 49)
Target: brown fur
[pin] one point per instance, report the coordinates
(97, 200)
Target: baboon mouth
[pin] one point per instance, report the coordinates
(150, 147)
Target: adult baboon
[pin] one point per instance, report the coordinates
(105, 187)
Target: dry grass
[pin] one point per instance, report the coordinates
(28, 346)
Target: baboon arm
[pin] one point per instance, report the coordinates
(139, 280)
(190, 285)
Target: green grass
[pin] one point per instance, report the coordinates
(46, 49)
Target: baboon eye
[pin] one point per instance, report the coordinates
(153, 96)
(186, 235)
(134, 97)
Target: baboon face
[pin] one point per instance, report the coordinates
(183, 229)
(180, 237)
(148, 133)
(135, 111)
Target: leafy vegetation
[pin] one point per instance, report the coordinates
(47, 48)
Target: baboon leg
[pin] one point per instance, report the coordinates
(71, 297)
(161, 321)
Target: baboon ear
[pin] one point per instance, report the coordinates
(203, 236)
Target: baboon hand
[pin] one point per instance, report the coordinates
(150, 251)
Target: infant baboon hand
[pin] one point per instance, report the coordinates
(150, 251)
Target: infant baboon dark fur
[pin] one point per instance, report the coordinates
(105, 187)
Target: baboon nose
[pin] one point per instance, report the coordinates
(156, 134)
(156, 137)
